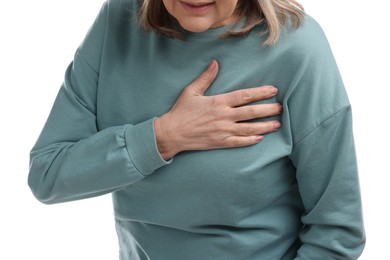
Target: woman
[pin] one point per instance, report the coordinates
(207, 167)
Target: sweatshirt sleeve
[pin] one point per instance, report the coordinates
(324, 153)
(72, 159)
(329, 187)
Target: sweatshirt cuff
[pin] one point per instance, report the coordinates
(142, 147)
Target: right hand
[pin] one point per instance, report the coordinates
(198, 122)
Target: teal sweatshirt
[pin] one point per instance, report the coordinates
(295, 195)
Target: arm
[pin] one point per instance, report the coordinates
(323, 152)
(329, 187)
(72, 159)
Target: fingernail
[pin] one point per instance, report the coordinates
(212, 65)
(280, 108)
(259, 138)
(277, 125)
(274, 90)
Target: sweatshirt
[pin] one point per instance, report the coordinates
(294, 195)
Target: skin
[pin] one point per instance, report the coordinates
(198, 122)
(201, 15)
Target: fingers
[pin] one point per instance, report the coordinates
(245, 134)
(241, 141)
(249, 95)
(245, 113)
(258, 128)
(203, 82)
(220, 121)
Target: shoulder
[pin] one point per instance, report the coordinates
(316, 90)
(307, 29)
(111, 15)
(120, 8)
(307, 42)
(120, 4)
(115, 21)
(306, 49)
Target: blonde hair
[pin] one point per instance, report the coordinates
(274, 14)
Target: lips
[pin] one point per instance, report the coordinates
(197, 7)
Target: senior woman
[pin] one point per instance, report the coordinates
(207, 167)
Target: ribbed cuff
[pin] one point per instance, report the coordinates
(142, 147)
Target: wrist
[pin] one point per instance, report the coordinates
(166, 144)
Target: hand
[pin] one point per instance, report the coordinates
(198, 122)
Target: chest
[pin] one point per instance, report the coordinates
(226, 183)
(146, 80)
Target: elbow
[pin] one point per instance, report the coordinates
(41, 186)
(44, 178)
(39, 191)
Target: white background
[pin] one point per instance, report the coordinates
(38, 39)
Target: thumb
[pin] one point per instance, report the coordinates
(203, 82)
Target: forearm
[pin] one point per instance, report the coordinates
(99, 164)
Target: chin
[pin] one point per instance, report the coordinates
(198, 28)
